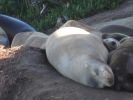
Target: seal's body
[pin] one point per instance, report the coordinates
(121, 62)
(12, 26)
(30, 39)
(79, 55)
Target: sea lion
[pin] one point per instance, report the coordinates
(3, 38)
(113, 35)
(117, 36)
(30, 39)
(121, 62)
(79, 55)
(111, 43)
(12, 26)
(113, 40)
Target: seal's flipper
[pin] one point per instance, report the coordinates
(30, 39)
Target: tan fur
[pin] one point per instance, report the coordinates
(30, 39)
(77, 24)
(79, 55)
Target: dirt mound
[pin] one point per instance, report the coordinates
(26, 75)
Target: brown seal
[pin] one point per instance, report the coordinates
(121, 62)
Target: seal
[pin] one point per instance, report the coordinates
(12, 26)
(30, 39)
(79, 55)
(113, 40)
(113, 35)
(111, 43)
(117, 36)
(121, 62)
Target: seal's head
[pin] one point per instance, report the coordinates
(101, 75)
(105, 76)
(111, 43)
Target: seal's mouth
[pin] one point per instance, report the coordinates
(110, 82)
(108, 77)
(106, 82)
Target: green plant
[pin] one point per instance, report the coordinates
(73, 9)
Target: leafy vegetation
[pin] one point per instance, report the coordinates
(43, 14)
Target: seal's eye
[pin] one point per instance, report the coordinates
(113, 43)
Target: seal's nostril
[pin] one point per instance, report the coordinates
(110, 81)
(113, 43)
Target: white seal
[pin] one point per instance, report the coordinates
(80, 55)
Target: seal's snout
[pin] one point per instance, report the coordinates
(111, 43)
(108, 76)
(110, 81)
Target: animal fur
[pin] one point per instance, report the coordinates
(77, 53)
(121, 62)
